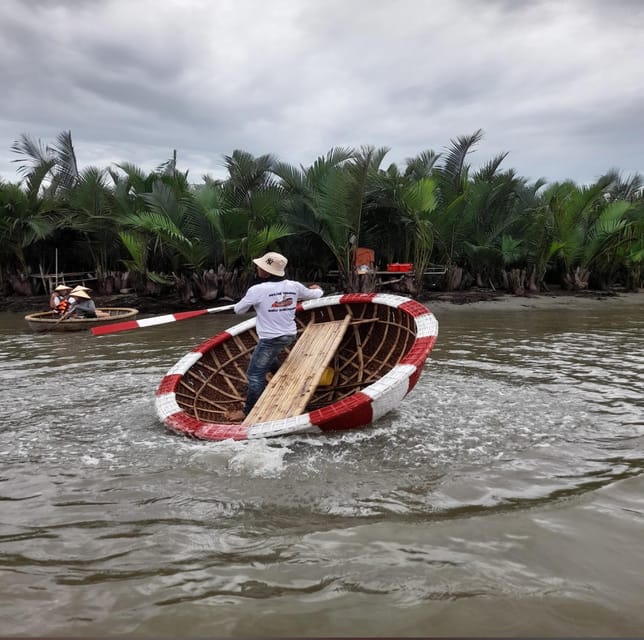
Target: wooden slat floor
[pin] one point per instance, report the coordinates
(291, 388)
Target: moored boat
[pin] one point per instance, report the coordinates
(51, 321)
(382, 342)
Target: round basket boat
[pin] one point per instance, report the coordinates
(50, 321)
(379, 357)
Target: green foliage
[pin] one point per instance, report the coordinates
(25, 220)
(437, 209)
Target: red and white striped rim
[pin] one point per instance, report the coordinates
(358, 410)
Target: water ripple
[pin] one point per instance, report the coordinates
(515, 423)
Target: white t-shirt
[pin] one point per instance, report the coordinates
(275, 304)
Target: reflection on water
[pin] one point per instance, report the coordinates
(503, 497)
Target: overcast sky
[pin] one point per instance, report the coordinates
(558, 84)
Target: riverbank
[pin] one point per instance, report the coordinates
(555, 299)
(467, 301)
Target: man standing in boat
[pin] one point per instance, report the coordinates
(274, 299)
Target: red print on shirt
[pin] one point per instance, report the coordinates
(287, 302)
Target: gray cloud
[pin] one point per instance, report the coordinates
(555, 84)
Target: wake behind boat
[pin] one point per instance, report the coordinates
(51, 321)
(356, 357)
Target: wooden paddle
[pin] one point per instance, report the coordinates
(63, 317)
(156, 320)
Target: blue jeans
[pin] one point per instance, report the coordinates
(263, 360)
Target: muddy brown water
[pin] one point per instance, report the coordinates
(504, 497)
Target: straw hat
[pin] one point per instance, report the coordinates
(80, 294)
(273, 263)
(62, 287)
(80, 287)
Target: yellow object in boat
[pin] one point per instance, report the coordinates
(327, 377)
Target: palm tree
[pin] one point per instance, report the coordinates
(418, 204)
(25, 219)
(495, 213)
(255, 199)
(384, 228)
(486, 226)
(633, 248)
(400, 210)
(53, 166)
(582, 230)
(317, 206)
(451, 221)
(91, 215)
(157, 210)
(607, 238)
(422, 165)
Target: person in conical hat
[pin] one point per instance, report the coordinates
(78, 289)
(57, 295)
(274, 299)
(83, 306)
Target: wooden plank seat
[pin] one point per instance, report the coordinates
(291, 388)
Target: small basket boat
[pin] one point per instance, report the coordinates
(371, 348)
(50, 321)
